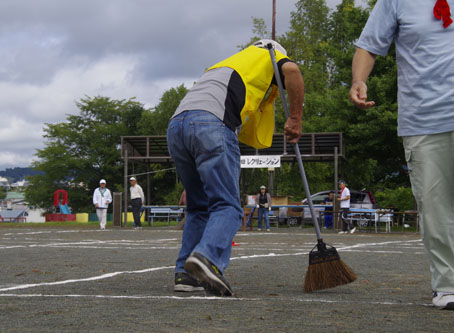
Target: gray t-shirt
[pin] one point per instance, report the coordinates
(425, 59)
(219, 91)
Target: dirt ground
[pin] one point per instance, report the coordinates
(73, 279)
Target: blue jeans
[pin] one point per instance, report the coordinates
(328, 220)
(263, 212)
(207, 158)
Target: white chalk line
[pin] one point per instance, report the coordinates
(93, 278)
(91, 244)
(214, 298)
(147, 270)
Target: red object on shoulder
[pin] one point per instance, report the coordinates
(442, 11)
(235, 244)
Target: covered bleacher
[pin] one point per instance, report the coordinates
(315, 147)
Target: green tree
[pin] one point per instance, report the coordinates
(400, 198)
(374, 151)
(82, 150)
(155, 122)
(3, 193)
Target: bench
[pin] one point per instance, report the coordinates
(166, 212)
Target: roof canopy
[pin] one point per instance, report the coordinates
(313, 147)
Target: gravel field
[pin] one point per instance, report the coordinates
(77, 279)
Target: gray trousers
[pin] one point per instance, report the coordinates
(430, 160)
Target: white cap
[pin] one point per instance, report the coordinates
(102, 181)
(132, 178)
(263, 186)
(263, 43)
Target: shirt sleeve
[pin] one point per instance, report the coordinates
(109, 196)
(279, 66)
(95, 199)
(380, 29)
(347, 192)
(142, 195)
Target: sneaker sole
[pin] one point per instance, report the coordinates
(449, 306)
(186, 288)
(213, 284)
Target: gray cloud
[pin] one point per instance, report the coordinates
(54, 52)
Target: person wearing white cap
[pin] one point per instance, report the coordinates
(137, 200)
(101, 199)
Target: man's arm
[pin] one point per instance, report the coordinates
(294, 85)
(363, 62)
(343, 199)
(109, 197)
(142, 195)
(95, 199)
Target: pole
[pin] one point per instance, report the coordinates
(271, 181)
(117, 209)
(335, 203)
(125, 190)
(273, 33)
(296, 148)
(147, 215)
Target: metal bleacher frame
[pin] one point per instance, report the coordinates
(313, 146)
(317, 147)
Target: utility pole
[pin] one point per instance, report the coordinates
(273, 32)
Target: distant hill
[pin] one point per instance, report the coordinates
(15, 174)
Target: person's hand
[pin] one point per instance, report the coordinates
(258, 206)
(107, 202)
(358, 95)
(292, 130)
(96, 205)
(338, 199)
(269, 209)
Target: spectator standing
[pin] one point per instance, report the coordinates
(101, 199)
(329, 202)
(137, 200)
(425, 57)
(263, 204)
(344, 199)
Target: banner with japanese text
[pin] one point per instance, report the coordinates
(260, 161)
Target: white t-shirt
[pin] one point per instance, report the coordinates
(345, 203)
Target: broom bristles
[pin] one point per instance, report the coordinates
(327, 275)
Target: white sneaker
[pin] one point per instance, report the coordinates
(353, 231)
(342, 232)
(443, 301)
(268, 230)
(259, 229)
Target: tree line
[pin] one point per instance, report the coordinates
(85, 148)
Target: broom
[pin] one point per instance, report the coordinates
(326, 268)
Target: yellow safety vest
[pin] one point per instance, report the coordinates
(255, 68)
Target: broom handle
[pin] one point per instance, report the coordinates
(296, 148)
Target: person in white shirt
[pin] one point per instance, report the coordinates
(101, 199)
(137, 200)
(344, 199)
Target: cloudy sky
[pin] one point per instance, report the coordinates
(54, 52)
